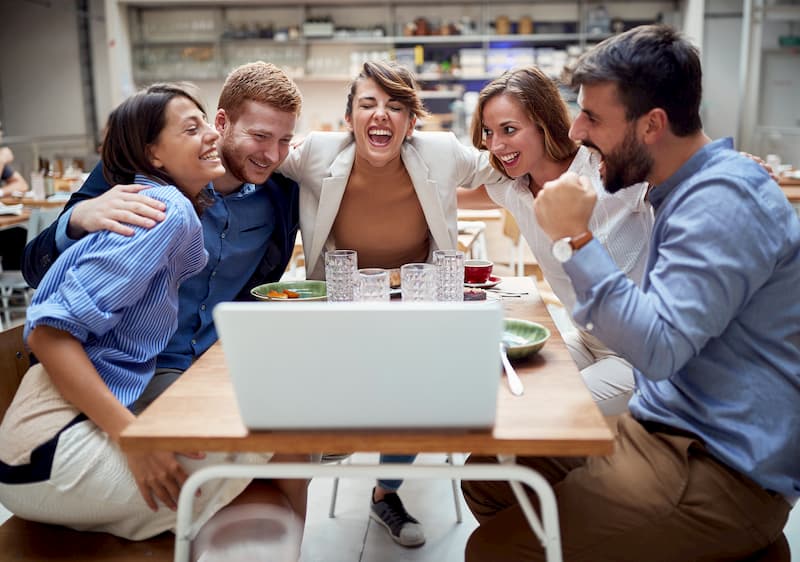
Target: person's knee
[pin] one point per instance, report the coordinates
(482, 547)
(474, 549)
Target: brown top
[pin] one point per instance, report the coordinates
(380, 217)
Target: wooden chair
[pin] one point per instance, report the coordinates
(26, 541)
(517, 252)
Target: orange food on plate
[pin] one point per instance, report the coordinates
(284, 294)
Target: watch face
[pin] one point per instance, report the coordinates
(562, 250)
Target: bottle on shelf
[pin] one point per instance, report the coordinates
(37, 185)
(50, 179)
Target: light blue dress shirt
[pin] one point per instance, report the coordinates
(714, 331)
(118, 295)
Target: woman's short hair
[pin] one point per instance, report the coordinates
(136, 124)
(540, 99)
(394, 79)
(652, 66)
(261, 82)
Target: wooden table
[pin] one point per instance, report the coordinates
(12, 221)
(30, 202)
(792, 192)
(555, 416)
(791, 188)
(483, 215)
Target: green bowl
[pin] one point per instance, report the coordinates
(523, 338)
(309, 290)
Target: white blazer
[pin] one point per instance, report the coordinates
(437, 164)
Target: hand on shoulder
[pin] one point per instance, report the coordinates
(116, 210)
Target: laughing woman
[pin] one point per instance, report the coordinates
(524, 123)
(102, 313)
(388, 192)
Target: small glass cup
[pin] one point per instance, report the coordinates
(373, 284)
(341, 269)
(449, 274)
(418, 282)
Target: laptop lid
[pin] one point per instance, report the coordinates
(363, 365)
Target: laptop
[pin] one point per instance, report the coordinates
(363, 365)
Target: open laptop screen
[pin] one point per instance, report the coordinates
(363, 365)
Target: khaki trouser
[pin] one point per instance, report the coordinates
(658, 497)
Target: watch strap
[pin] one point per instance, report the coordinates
(579, 241)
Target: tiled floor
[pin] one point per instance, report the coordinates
(352, 537)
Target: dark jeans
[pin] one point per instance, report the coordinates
(158, 384)
(12, 243)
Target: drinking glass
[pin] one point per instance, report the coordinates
(373, 284)
(449, 274)
(418, 282)
(341, 268)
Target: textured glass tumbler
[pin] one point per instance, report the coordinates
(449, 275)
(418, 282)
(341, 275)
(373, 284)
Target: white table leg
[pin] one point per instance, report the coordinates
(543, 529)
(547, 530)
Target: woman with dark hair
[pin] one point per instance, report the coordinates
(101, 315)
(388, 192)
(524, 123)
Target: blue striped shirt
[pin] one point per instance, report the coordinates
(118, 295)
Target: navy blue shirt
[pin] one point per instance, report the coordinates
(249, 236)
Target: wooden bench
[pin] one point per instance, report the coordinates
(25, 541)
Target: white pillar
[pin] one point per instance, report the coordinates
(693, 21)
(119, 52)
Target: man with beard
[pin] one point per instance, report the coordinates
(250, 220)
(250, 215)
(705, 464)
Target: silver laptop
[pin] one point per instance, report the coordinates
(363, 365)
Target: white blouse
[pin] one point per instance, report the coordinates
(621, 222)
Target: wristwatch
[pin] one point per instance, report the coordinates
(563, 248)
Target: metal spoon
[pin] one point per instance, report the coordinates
(514, 383)
(508, 293)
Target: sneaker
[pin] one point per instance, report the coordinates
(404, 529)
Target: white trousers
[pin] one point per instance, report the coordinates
(90, 486)
(608, 377)
(92, 489)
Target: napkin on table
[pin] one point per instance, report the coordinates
(11, 209)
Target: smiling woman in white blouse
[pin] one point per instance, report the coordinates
(524, 123)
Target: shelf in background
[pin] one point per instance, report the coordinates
(536, 38)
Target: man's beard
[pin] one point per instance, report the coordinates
(235, 163)
(626, 165)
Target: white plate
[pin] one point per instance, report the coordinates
(493, 280)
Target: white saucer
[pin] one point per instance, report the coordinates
(493, 280)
